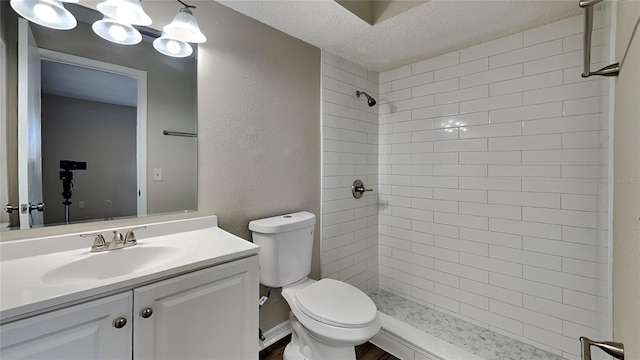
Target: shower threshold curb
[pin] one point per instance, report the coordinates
(405, 342)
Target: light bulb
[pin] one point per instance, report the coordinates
(118, 32)
(45, 12)
(173, 46)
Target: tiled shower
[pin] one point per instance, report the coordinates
(490, 169)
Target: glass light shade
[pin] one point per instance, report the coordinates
(185, 27)
(49, 13)
(116, 31)
(172, 47)
(126, 11)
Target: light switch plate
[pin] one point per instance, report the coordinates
(157, 174)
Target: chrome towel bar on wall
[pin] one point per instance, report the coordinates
(179, 133)
(612, 348)
(610, 70)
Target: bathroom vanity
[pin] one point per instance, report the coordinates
(187, 290)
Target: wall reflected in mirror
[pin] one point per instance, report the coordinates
(104, 106)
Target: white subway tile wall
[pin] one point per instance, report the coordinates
(492, 193)
(349, 247)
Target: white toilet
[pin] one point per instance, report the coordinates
(328, 317)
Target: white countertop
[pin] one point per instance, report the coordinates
(26, 287)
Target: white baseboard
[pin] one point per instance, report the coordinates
(274, 334)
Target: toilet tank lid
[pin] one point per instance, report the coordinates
(283, 223)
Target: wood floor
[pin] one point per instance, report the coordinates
(366, 351)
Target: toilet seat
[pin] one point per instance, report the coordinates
(337, 304)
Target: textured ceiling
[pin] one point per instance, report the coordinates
(428, 30)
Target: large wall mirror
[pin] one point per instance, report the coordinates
(109, 130)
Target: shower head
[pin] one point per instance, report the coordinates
(371, 101)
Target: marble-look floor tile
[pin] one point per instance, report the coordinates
(472, 338)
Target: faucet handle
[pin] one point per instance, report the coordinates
(130, 238)
(117, 237)
(99, 244)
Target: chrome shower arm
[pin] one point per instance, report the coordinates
(371, 101)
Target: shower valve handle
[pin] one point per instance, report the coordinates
(358, 189)
(361, 189)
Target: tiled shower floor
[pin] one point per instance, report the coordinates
(472, 338)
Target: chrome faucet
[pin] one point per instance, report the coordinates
(117, 242)
(612, 348)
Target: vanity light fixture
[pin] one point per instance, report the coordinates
(117, 24)
(172, 47)
(48, 13)
(116, 31)
(184, 26)
(125, 11)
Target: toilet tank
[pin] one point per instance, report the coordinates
(286, 243)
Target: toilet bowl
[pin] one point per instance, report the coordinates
(328, 317)
(333, 303)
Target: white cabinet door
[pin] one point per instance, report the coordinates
(85, 331)
(207, 314)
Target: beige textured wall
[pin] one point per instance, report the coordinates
(258, 124)
(626, 202)
(259, 127)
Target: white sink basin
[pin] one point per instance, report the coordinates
(112, 263)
